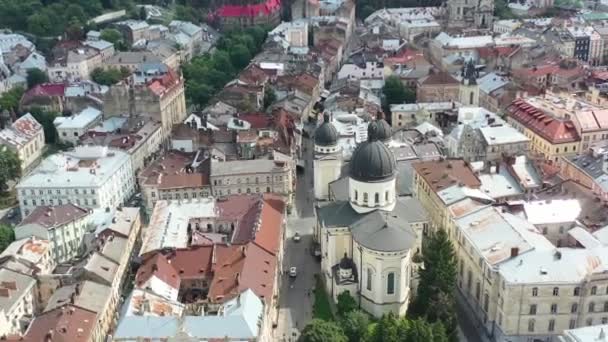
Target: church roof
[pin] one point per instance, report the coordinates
(383, 231)
(376, 230)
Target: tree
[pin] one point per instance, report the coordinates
(239, 55)
(269, 98)
(39, 25)
(395, 92)
(115, 37)
(388, 329)
(355, 325)
(46, 120)
(7, 236)
(322, 331)
(435, 299)
(36, 76)
(10, 99)
(258, 34)
(108, 77)
(502, 10)
(346, 303)
(10, 166)
(143, 15)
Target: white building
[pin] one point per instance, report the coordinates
(17, 301)
(70, 129)
(506, 26)
(596, 333)
(30, 255)
(88, 176)
(63, 225)
(26, 138)
(356, 72)
(75, 65)
(368, 241)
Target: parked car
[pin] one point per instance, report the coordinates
(296, 237)
(293, 272)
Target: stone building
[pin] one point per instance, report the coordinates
(470, 14)
(438, 87)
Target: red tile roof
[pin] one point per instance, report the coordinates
(497, 51)
(441, 174)
(193, 262)
(161, 85)
(554, 130)
(64, 324)
(239, 267)
(258, 120)
(253, 10)
(269, 234)
(47, 89)
(159, 266)
(439, 78)
(51, 217)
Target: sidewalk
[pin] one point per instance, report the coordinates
(468, 324)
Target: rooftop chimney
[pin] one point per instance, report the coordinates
(514, 252)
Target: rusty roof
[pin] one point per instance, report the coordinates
(440, 174)
(54, 216)
(68, 323)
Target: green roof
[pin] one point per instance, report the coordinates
(595, 16)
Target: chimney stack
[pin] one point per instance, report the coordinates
(514, 252)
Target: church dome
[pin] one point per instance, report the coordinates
(372, 161)
(326, 134)
(385, 131)
(346, 263)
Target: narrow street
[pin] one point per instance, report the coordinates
(295, 299)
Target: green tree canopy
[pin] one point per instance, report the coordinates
(46, 120)
(396, 93)
(346, 303)
(10, 99)
(10, 166)
(434, 299)
(110, 76)
(355, 325)
(269, 97)
(7, 236)
(240, 56)
(322, 331)
(36, 76)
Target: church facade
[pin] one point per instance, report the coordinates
(470, 14)
(369, 238)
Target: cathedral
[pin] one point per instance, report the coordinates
(470, 14)
(368, 236)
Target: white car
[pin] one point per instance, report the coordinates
(293, 272)
(296, 237)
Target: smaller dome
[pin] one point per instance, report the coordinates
(326, 134)
(346, 263)
(384, 131)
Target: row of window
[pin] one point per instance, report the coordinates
(61, 202)
(376, 197)
(246, 181)
(59, 191)
(573, 308)
(248, 191)
(571, 325)
(576, 292)
(390, 281)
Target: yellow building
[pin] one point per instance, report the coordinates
(550, 137)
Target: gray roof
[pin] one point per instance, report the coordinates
(237, 167)
(377, 230)
(372, 161)
(383, 231)
(593, 166)
(405, 178)
(339, 189)
(115, 248)
(23, 284)
(92, 296)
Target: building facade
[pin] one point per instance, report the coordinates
(26, 138)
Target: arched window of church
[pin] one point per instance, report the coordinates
(365, 199)
(370, 275)
(390, 283)
(471, 96)
(356, 195)
(377, 198)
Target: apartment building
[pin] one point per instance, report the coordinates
(70, 129)
(26, 137)
(74, 64)
(252, 176)
(63, 225)
(157, 91)
(550, 137)
(31, 255)
(177, 175)
(87, 176)
(17, 301)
